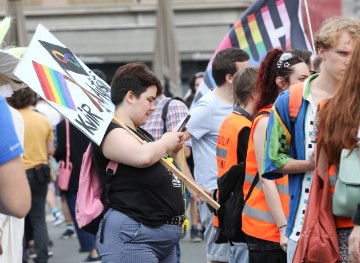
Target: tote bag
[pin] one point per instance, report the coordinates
(318, 241)
(65, 168)
(347, 187)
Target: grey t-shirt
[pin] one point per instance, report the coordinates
(207, 116)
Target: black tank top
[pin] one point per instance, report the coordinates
(148, 195)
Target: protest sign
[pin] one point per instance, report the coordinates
(67, 84)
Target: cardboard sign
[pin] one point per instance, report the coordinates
(67, 84)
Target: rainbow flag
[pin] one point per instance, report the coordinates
(54, 86)
(266, 24)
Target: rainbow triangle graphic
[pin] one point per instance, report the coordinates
(54, 86)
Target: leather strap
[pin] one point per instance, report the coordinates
(67, 125)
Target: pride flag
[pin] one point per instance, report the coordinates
(54, 86)
(266, 24)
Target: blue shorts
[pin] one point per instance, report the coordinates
(214, 252)
(128, 241)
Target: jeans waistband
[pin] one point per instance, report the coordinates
(176, 220)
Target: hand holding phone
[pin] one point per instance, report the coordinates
(183, 123)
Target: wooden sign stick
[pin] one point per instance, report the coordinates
(175, 171)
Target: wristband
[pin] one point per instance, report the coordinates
(280, 227)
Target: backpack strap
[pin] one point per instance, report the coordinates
(256, 179)
(253, 184)
(295, 99)
(243, 112)
(110, 171)
(261, 113)
(67, 125)
(164, 114)
(165, 111)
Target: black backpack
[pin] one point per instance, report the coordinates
(232, 204)
(232, 201)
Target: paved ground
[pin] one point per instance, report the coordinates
(66, 251)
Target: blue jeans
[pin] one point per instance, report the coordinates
(178, 252)
(87, 241)
(128, 241)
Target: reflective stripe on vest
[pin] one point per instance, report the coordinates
(222, 153)
(258, 214)
(257, 219)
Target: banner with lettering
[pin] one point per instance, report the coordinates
(66, 83)
(266, 24)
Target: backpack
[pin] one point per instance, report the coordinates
(91, 200)
(232, 202)
(231, 183)
(295, 100)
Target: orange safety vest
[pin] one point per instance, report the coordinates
(227, 144)
(257, 220)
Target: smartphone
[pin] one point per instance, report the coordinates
(183, 123)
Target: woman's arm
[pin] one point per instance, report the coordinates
(269, 187)
(120, 146)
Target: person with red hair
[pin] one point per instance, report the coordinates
(264, 215)
(339, 122)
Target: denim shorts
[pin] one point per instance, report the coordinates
(128, 241)
(214, 252)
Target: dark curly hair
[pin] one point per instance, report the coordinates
(269, 69)
(22, 98)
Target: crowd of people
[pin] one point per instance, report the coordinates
(278, 126)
